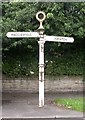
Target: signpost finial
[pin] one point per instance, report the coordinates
(40, 16)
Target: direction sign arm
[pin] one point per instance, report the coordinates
(22, 34)
(59, 39)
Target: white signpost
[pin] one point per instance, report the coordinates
(40, 16)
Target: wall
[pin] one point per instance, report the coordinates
(54, 84)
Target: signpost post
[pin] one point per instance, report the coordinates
(40, 16)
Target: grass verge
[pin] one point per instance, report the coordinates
(71, 103)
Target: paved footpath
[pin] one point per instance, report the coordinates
(24, 105)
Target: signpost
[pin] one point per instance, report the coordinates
(40, 16)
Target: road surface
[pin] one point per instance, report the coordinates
(24, 105)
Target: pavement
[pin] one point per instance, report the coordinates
(25, 106)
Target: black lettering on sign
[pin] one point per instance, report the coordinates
(21, 34)
(60, 39)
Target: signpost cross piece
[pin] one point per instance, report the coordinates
(40, 16)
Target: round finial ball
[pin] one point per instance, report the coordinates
(40, 16)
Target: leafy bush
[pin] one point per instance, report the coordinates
(24, 63)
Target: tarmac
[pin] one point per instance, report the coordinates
(25, 106)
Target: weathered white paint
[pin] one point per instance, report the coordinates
(22, 34)
(41, 51)
(58, 39)
(41, 93)
(41, 72)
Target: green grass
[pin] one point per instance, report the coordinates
(71, 103)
